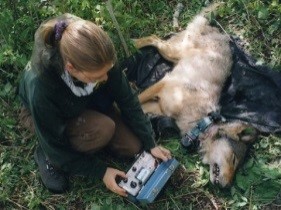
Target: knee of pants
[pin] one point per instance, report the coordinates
(128, 149)
(94, 137)
(134, 150)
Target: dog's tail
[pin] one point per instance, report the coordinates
(211, 8)
(198, 24)
(151, 92)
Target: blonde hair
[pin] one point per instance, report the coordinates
(84, 44)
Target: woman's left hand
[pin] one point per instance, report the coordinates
(109, 180)
(161, 153)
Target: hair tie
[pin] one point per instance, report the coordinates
(59, 29)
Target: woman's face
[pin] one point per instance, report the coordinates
(89, 76)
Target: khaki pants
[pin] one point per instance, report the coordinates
(93, 131)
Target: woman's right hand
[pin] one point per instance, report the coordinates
(109, 179)
(161, 153)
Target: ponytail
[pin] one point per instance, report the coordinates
(52, 30)
(48, 33)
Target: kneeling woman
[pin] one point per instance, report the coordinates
(79, 102)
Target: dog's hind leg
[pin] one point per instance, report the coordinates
(165, 48)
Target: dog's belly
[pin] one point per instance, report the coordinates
(195, 110)
(171, 100)
(186, 104)
(192, 89)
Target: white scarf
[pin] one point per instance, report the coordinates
(76, 90)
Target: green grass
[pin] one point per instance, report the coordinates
(257, 182)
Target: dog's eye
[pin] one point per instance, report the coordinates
(233, 159)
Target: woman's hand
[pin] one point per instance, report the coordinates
(161, 153)
(109, 180)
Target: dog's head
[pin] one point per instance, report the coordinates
(223, 148)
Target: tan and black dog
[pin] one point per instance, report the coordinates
(202, 62)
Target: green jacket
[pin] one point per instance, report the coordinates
(52, 104)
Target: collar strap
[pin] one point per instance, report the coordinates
(190, 138)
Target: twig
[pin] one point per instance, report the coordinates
(178, 196)
(17, 204)
(110, 10)
(3, 69)
(222, 28)
(248, 16)
(134, 204)
(175, 203)
(251, 198)
(214, 203)
(4, 102)
(2, 34)
(176, 15)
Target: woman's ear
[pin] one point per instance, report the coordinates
(69, 67)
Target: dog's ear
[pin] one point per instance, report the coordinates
(238, 131)
(248, 135)
(212, 133)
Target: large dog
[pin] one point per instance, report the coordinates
(203, 61)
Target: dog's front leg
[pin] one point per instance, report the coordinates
(149, 98)
(152, 92)
(152, 107)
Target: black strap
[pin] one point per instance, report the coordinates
(190, 139)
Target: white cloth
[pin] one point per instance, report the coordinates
(76, 90)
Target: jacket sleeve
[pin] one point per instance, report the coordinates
(130, 108)
(50, 129)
